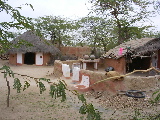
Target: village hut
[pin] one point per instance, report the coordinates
(29, 48)
(139, 54)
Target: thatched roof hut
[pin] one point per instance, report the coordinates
(134, 54)
(138, 47)
(32, 43)
(29, 48)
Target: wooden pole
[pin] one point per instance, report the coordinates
(8, 92)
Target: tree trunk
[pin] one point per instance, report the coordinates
(8, 92)
(59, 45)
(120, 35)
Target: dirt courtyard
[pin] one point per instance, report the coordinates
(30, 105)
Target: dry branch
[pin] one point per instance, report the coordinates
(120, 76)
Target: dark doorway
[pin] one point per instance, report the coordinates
(29, 58)
(139, 64)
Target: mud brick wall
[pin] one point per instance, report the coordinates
(119, 65)
(110, 85)
(77, 51)
(13, 59)
(57, 68)
(128, 83)
(141, 83)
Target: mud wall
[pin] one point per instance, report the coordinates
(119, 65)
(76, 51)
(46, 58)
(141, 83)
(108, 85)
(13, 59)
(57, 68)
(111, 86)
(127, 83)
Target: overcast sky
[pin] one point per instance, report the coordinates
(64, 8)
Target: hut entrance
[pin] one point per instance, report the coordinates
(139, 64)
(29, 58)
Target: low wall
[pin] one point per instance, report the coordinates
(57, 68)
(141, 83)
(111, 86)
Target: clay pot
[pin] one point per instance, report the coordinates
(86, 57)
(92, 57)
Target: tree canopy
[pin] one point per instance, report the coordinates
(125, 15)
(55, 28)
(115, 21)
(17, 21)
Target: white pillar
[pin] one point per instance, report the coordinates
(76, 74)
(84, 65)
(95, 65)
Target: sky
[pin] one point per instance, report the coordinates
(64, 8)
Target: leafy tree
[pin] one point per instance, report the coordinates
(90, 28)
(56, 90)
(125, 14)
(55, 28)
(157, 5)
(18, 22)
(97, 32)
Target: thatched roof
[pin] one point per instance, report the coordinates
(138, 47)
(38, 44)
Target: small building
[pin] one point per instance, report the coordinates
(30, 48)
(139, 54)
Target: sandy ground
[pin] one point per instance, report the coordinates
(29, 104)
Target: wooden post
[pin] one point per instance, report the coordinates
(8, 92)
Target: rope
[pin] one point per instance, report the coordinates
(121, 76)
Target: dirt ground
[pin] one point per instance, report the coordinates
(30, 105)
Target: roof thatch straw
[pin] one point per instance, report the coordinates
(32, 43)
(138, 47)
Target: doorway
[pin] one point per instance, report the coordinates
(29, 58)
(139, 63)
